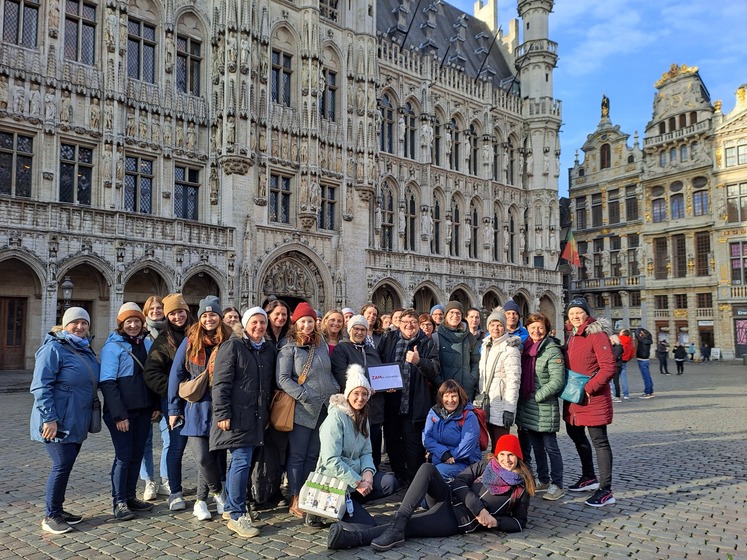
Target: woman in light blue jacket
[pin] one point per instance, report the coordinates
(345, 451)
(64, 384)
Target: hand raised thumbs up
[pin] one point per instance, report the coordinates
(412, 356)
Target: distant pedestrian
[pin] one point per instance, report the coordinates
(628, 354)
(643, 354)
(618, 350)
(691, 351)
(705, 353)
(662, 350)
(680, 355)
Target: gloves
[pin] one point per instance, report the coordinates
(508, 419)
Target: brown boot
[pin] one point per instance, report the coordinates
(293, 509)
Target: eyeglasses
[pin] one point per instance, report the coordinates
(408, 323)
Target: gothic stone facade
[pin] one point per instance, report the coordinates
(320, 151)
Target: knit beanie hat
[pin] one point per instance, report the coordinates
(75, 314)
(303, 309)
(348, 310)
(210, 304)
(497, 315)
(357, 321)
(172, 302)
(129, 309)
(579, 302)
(438, 306)
(509, 443)
(454, 305)
(511, 305)
(249, 313)
(355, 377)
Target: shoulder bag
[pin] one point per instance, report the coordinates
(194, 389)
(482, 401)
(283, 406)
(573, 392)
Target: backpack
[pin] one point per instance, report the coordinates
(482, 421)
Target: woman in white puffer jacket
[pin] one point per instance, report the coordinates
(500, 374)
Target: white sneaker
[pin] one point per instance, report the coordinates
(164, 489)
(220, 502)
(243, 527)
(201, 511)
(151, 490)
(554, 492)
(176, 502)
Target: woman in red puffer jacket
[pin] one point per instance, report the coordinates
(589, 352)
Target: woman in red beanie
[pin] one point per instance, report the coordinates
(304, 371)
(492, 493)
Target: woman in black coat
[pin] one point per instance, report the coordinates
(242, 382)
(493, 494)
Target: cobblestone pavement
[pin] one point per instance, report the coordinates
(679, 480)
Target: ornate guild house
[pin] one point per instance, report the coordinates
(333, 152)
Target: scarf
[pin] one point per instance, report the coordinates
(138, 351)
(400, 351)
(499, 480)
(528, 363)
(202, 357)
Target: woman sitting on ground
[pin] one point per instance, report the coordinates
(452, 433)
(493, 493)
(345, 451)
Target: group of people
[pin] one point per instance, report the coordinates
(210, 381)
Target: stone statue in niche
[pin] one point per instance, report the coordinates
(167, 132)
(130, 131)
(179, 134)
(107, 162)
(262, 186)
(3, 92)
(66, 110)
(304, 193)
(95, 114)
(315, 197)
(50, 105)
(35, 101)
(231, 134)
(449, 227)
(120, 163)
(191, 137)
(19, 99)
(143, 125)
(213, 186)
(377, 217)
(112, 22)
(448, 140)
(108, 115)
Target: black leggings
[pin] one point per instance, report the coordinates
(439, 520)
(598, 435)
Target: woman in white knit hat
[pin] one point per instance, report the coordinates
(345, 451)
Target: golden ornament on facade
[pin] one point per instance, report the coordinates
(674, 72)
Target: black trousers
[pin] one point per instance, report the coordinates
(598, 435)
(404, 444)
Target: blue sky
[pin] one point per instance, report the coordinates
(621, 47)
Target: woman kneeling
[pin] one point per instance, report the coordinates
(493, 493)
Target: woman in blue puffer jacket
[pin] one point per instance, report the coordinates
(65, 381)
(452, 432)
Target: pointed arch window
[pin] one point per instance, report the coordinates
(496, 236)
(409, 139)
(387, 124)
(511, 167)
(496, 161)
(473, 152)
(436, 239)
(437, 141)
(410, 221)
(457, 226)
(475, 225)
(455, 141)
(188, 62)
(512, 240)
(605, 156)
(387, 219)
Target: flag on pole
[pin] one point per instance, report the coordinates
(570, 253)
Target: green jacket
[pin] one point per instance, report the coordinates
(541, 412)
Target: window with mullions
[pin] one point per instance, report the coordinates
(677, 203)
(605, 156)
(282, 71)
(138, 185)
(410, 220)
(188, 63)
(679, 256)
(497, 162)
(631, 203)
(437, 141)
(496, 237)
(387, 125)
(738, 259)
(659, 210)
(328, 101)
(141, 50)
(436, 239)
(475, 228)
(328, 9)
(613, 207)
(455, 141)
(661, 258)
(408, 147)
(21, 22)
(736, 203)
(16, 153)
(455, 237)
(596, 210)
(327, 207)
(80, 31)
(76, 170)
(186, 192)
(280, 193)
(580, 213)
(472, 158)
(387, 219)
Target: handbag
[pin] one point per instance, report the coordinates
(283, 406)
(574, 392)
(94, 423)
(324, 496)
(194, 389)
(482, 401)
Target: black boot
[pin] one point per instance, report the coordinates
(394, 534)
(342, 535)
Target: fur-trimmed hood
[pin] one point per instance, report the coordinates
(599, 325)
(339, 401)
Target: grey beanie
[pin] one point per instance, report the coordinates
(212, 304)
(497, 315)
(357, 321)
(75, 314)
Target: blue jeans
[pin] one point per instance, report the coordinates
(303, 452)
(449, 471)
(174, 454)
(545, 444)
(146, 467)
(624, 379)
(63, 457)
(648, 385)
(237, 479)
(128, 453)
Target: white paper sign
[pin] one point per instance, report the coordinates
(385, 376)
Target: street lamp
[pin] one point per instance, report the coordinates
(67, 288)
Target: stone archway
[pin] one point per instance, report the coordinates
(199, 285)
(385, 298)
(548, 309)
(461, 296)
(20, 314)
(490, 301)
(424, 299)
(293, 277)
(144, 283)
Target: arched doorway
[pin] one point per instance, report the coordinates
(293, 277)
(386, 299)
(523, 304)
(424, 299)
(490, 301)
(89, 290)
(197, 287)
(20, 312)
(144, 283)
(548, 309)
(461, 296)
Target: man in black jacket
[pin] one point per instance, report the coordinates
(642, 354)
(406, 409)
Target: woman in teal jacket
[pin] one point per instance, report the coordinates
(345, 450)
(538, 412)
(64, 384)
